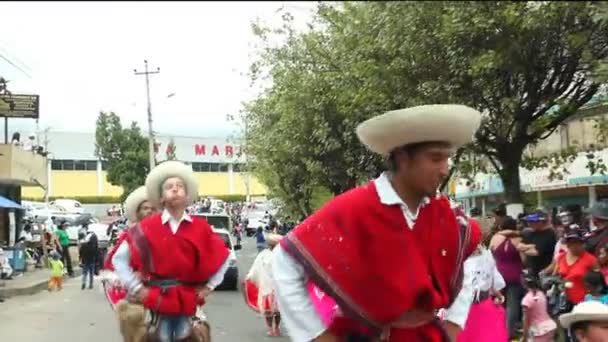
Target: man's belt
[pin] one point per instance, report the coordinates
(166, 284)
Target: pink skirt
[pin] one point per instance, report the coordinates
(486, 322)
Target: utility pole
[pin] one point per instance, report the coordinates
(150, 131)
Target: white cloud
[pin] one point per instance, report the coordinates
(81, 58)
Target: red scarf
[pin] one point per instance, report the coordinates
(361, 252)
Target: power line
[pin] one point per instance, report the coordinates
(15, 65)
(13, 57)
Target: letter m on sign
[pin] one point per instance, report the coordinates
(199, 150)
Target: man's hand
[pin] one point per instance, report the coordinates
(203, 292)
(142, 294)
(326, 337)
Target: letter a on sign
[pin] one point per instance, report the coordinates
(199, 150)
(215, 151)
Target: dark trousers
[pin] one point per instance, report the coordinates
(514, 293)
(67, 259)
(88, 270)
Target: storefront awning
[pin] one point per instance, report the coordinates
(8, 204)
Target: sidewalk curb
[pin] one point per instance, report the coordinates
(33, 287)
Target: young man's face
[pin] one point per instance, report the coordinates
(426, 167)
(174, 193)
(595, 332)
(145, 209)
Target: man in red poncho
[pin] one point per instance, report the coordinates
(179, 258)
(388, 254)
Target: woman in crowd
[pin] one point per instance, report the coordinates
(509, 263)
(574, 264)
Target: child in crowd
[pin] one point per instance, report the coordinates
(537, 324)
(56, 280)
(596, 287)
(602, 258)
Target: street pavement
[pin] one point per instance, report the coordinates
(73, 315)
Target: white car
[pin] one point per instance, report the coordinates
(231, 278)
(71, 206)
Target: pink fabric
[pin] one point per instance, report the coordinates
(548, 337)
(486, 322)
(537, 307)
(326, 307)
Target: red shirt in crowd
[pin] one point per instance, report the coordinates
(574, 273)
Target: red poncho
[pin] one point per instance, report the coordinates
(191, 256)
(362, 253)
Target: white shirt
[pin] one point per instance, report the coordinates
(122, 259)
(297, 311)
(480, 275)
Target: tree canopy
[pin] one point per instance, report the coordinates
(124, 150)
(528, 66)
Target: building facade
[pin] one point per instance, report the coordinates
(73, 170)
(577, 185)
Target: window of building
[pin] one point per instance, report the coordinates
(223, 167)
(91, 165)
(104, 165)
(214, 167)
(80, 165)
(236, 167)
(68, 165)
(56, 165)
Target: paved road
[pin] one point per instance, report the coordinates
(75, 316)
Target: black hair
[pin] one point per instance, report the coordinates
(508, 223)
(411, 150)
(501, 210)
(583, 325)
(531, 281)
(475, 211)
(596, 280)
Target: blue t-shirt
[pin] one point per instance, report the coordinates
(602, 299)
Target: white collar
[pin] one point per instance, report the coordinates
(166, 217)
(389, 196)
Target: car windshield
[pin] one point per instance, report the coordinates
(218, 221)
(226, 239)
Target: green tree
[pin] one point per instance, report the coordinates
(124, 150)
(527, 66)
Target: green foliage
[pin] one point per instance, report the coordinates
(526, 66)
(125, 150)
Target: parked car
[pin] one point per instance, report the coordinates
(71, 206)
(220, 221)
(231, 278)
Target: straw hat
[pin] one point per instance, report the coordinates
(166, 170)
(586, 311)
(133, 201)
(454, 124)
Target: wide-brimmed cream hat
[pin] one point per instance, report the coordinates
(273, 239)
(451, 123)
(592, 311)
(133, 201)
(166, 170)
